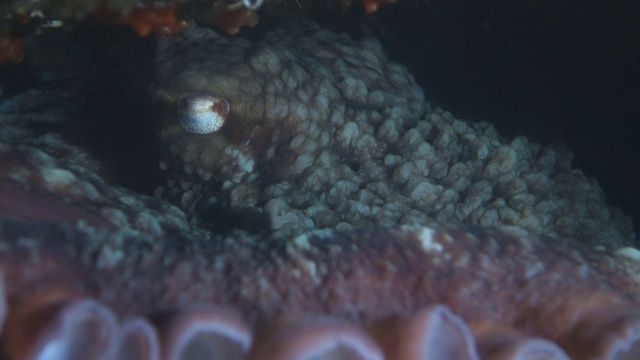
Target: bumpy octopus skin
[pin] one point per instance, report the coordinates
(370, 294)
(91, 270)
(325, 132)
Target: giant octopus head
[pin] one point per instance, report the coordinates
(313, 205)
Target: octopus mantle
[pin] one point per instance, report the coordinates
(92, 270)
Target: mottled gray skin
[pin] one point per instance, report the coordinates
(65, 228)
(325, 132)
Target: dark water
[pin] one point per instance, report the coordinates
(550, 70)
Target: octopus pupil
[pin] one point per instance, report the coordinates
(252, 4)
(202, 113)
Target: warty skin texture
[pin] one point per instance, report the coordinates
(326, 132)
(75, 247)
(508, 286)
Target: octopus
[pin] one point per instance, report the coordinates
(313, 205)
(316, 131)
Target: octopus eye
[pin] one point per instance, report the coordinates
(202, 113)
(252, 4)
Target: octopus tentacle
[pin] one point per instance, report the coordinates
(362, 278)
(200, 330)
(79, 329)
(432, 333)
(313, 337)
(334, 171)
(138, 340)
(496, 341)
